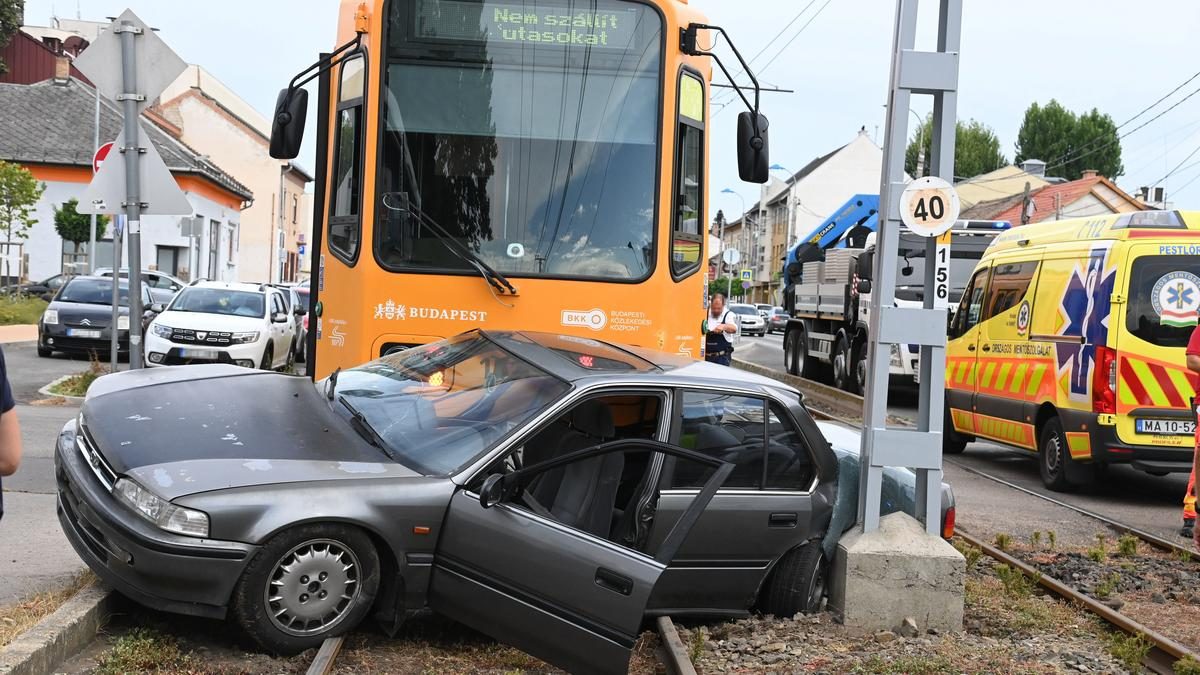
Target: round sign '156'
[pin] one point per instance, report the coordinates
(929, 206)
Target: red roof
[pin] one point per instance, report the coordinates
(1047, 200)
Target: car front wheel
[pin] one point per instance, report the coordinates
(44, 352)
(268, 361)
(307, 584)
(797, 584)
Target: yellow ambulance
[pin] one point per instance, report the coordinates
(1069, 342)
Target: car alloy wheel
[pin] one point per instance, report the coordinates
(312, 587)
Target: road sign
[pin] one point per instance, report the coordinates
(747, 275)
(731, 256)
(157, 64)
(101, 154)
(929, 206)
(161, 194)
(745, 285)
(941, 273)
(301, 249)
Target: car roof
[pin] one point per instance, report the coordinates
(97, 277)
(635, 365)
(228, 285)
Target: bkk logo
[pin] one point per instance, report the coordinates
(595, 319)
(391, 311)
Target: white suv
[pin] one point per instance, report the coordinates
(215, 322)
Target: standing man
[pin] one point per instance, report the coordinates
(10, 430)
(719, 328)
(1189, 497)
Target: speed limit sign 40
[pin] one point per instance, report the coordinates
(929, 206)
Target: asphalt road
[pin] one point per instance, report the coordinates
(34, 554)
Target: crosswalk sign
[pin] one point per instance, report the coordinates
(747, 275)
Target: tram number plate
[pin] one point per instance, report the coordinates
(1166, 427)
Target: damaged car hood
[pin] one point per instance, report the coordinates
(191, 429)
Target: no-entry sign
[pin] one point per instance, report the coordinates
(101, 153)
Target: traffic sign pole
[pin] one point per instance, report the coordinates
(92, 223)
(133, 197)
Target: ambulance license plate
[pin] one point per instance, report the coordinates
(1166, 427)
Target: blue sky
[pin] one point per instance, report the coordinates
(1118, 57)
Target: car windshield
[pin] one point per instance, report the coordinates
(438, 407)
(302, 296)
(219, 301)
(744, 310)
(93, 292)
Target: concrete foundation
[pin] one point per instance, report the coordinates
(897, 572)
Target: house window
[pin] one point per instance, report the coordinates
(295, 209)
(214, 247)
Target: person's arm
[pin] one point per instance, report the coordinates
(1193, 363)
(727, 327)
(10, 443)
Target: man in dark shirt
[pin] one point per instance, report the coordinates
(10, 430)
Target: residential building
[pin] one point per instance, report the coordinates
(1091, 195)
(208, 116)
(48, 127)
(1007, 181)
(30, 59)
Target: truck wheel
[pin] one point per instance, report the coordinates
(860, 367)
(1053, 456)
(791, 348)
(797, 583)
(842, 373)
(806, 366)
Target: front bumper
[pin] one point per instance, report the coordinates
(163, 352)
(54, 337)
(157, 569)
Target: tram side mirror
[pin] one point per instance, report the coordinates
(754, 163)
(287, 129)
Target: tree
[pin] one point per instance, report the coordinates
(19, 191)
(12, 13)
(976, 149)
(1070, 143)
(76, 227)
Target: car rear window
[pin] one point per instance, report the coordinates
(303, 297)
(1164, 296)
(744, 310)
(220, 301)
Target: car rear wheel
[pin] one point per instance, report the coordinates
(268, 361)
(953, 443)
(1053, 456)
(797, 584)
(307, 584)
(291, 359)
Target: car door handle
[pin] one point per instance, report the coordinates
(970, 348)
(986, 348)
(612, 581)
(783, 520)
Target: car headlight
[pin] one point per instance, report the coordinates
(244, 338)
(123, 322)
(50, 317)
(161, 512)
(161, 330)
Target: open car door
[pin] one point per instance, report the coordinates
(509, 567)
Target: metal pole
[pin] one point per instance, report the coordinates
(133, 196)
(116, 298)
(95, 146)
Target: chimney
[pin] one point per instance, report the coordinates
(1090, 173)
(62, 69)
(1034, 167)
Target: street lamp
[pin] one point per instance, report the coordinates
(722, 234)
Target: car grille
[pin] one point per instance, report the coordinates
(186, 336)
(92, 457)
(77, 344)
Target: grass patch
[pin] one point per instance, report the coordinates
(909, 665)
(20, 617)
(143, 650)
(1187, 666)
(1129, 649)
(1127, 545)
(20, 310)
(1006, 614)
(77, 385)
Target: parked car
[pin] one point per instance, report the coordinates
(163, 286)
(551, 491)
(751, 323)
(764, 310)
(302, 294)
(216, 322)
(79, 318)
(777, 320)
(298, 312)
(46, 288)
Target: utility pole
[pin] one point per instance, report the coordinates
(92, 234)
(1025, 212)
(133, 187)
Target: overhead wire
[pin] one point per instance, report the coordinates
(765, 47)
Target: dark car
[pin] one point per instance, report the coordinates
(777, 320)
(550, 491)
(79, 317)
(46, 288)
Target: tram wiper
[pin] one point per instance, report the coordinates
(495, 279)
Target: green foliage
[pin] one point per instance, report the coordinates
(1016, 584)
(1182, 555)
(970, 553)
(144, 650)
(1187, 666)
(1097, 554)
(19, 192)
(1035, 539)
(1129, 649)
(1127, 545)
(11, 13)
(976, 149)
(1070, 143)
(20, 310)
(1003, 541)
(74, 226)
(696, 644)
(1106, 588)
(1051, 538)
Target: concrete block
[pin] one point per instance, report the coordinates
(897, 572)
(60, 635)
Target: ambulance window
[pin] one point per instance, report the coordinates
(970, 309)
(1164, 296)
(1010, 283)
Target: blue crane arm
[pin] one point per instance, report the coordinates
(859, 210)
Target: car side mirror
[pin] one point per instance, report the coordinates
(48, 297)
(157, 308)
(279, 317)
(492, 492)
(864, 286)
(754, 163)
(287, 128)
(299, 311)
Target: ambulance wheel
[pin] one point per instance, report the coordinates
(1053, 456)
(953, 443)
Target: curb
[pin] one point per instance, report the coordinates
(45, 391)
(60, 635)
(675, 654)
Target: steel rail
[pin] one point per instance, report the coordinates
(323, 662)
(1164, 651)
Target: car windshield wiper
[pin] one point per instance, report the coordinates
(364, 428)
(331, 383)
(489, 274)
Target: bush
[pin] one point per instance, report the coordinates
(20, 310)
